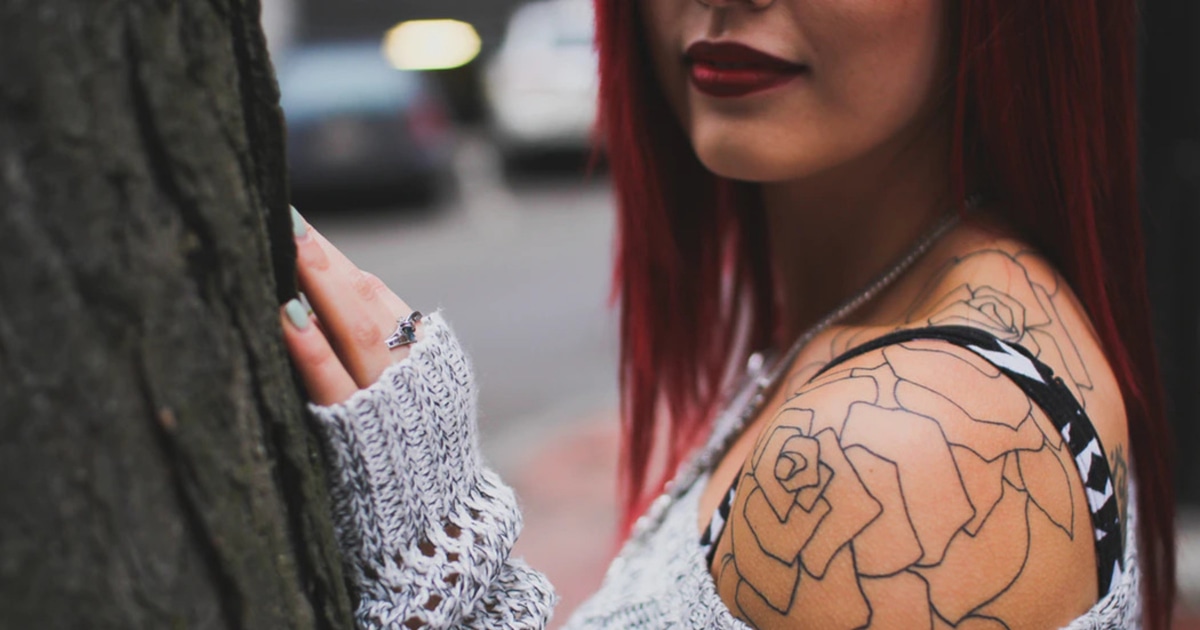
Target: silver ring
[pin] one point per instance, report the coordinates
(406, 331)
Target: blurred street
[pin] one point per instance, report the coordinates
(523, 275)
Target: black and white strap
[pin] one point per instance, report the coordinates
(1047, 391)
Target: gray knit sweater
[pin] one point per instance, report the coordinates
(425, 529)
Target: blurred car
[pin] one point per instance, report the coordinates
(358, 127)
(541, 84)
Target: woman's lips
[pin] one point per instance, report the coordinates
(725, 82)
(728, 70)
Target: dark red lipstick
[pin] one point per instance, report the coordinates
(728, 70)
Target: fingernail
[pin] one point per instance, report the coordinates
(304, 301)
(299, 227)
(297, 314)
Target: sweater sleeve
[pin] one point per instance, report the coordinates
(425, 529)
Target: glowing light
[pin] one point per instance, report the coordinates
(431, 45)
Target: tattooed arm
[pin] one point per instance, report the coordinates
(1014, 294)
(916, 486)
(913, 487)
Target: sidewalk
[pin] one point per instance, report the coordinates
(1189, 569)
(567, 490)
(567, 484)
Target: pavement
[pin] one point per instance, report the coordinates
(567, 489)
(521, 272)
(1188, 557)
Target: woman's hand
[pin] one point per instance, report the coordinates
(341, 347)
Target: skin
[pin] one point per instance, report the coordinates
(861, 136)
(977, 525)
(341, 350)
(1007, 506)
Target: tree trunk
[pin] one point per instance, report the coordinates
(157, 470)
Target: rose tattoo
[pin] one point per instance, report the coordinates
(910, 469)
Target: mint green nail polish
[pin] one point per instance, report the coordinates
(299, 228)
(297, 314)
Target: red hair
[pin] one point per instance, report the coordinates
(1044, 110)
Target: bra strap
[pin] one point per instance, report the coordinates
(1049, 392)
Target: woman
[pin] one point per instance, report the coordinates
(926, 212)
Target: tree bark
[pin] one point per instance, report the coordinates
(156, 468)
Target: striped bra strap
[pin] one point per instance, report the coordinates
(1047, 391)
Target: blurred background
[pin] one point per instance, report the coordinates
(445, 146)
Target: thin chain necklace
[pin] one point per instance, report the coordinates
(760, 384)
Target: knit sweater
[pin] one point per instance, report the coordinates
(425, 529)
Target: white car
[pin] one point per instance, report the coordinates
(541, 84)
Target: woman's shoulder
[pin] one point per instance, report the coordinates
(1013, 292)
(997, 283)
(917, 478)
(1004, 287)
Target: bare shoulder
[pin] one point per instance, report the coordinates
(1006, 288)
(916, 485)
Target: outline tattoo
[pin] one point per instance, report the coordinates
(881, 484)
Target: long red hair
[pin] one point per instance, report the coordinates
(1044, 109)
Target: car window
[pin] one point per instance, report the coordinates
(574, 24)
(549, 24)
(323, 79)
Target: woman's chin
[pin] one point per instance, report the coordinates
(749, 157)
(747, 167)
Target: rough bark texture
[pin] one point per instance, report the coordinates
(157, 470)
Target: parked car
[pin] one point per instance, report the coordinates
(357, 126)
(541, 84)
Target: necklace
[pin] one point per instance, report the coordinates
(754, 393)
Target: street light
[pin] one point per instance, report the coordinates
(431, 45)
